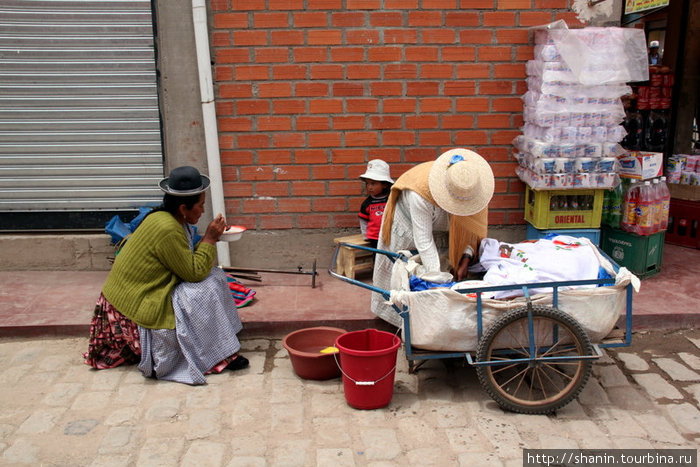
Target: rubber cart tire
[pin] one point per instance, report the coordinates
(535, 387)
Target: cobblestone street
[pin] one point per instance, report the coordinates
(55, 411)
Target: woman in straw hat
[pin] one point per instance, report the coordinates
(164, 305)
(433, 207)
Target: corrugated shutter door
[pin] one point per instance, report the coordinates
(79, 122)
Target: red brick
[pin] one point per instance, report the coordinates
(274, 156)
(400, 36)
(389, 155)
(423, 88)
(251, 72)
(285, 4)
(386, 89)
(493, 121)
(386, 19)
(348, 19)
(348, 89)
(515, 217)
(520, 87)
(496, 87)
(328, 172)
(329, 204)
(252, 107)
(348, 122)
(361, 105)
(551, 4)
(310, 54)
(361, 138)
(247, 5)
(240, 55)
(348, 156)
(326, 72)
(324, 4)
(461, 121)
(340, 188)
(434, 138)
(291, 172)
(313, 221)
(223, 73)
(494, 54)
(275, 89)
(325, 106)
(400, 105)
(270, 20)
(307, 123)
(225, 141)
(470, 138)
(437, 71)
(514, 4)
(256, 173)
(235, 124)
(384, 54)
(310, 89)
(289, 140)
(324, 37)
(221, 39)
(401, 4)
(534, 18)
(462, 19)
(242, 38)
(425, 18)
(512, 36)
(398, 138)
(497, 217)
(440, 4)
(434, 104)
(571, 19)
(524, 53)
(271, 55)
(473, 70)
(252, 140)
(509, 70)
(288, 106)
(415, 155)
(286, 37)
(500, 18)
(236, 158)
(230, 20)
(324, 140)
(414, 122)
(253, 205)
(348, 220)
(421, 54)
(276, 222)
(383, 122)
(507, 104)
(294, 205)
(224, 108)
(438, 36)
(364, 71)
(363, 4)
(263, 189)
(313, 19)
(307, 188)
(459, 88)
(219, 5)
(475, 36)
(274, 123)
(503, 169)
(361, 37)
(310, 156)
(504, 137)
(238, 189)
(289, 72)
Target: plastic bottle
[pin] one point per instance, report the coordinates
(628, 222)
(615, 210)
(656, 206)
(665, 196)
(645, 210)
(605, 215)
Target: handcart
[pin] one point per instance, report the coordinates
(532, 359)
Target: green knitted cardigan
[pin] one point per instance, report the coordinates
(155, 258)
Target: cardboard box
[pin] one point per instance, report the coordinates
(687, 192)
(641, 165)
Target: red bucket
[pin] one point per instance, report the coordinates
(368, 363)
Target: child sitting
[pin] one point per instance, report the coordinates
(378, 183)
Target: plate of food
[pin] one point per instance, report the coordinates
(232, 233)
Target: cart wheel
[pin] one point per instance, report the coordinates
(534, 387)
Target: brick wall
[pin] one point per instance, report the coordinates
(308, 91)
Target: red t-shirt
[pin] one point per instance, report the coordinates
(372, 210)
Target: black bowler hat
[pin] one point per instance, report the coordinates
(184, 181)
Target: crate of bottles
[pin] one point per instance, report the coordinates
(535, 234)
(641, 254)
(683, 220)
(563, 209)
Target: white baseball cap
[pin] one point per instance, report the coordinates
(378, 170)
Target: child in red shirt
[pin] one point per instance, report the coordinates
(377, 183)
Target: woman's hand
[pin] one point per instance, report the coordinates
(214, 230)
(463, 267)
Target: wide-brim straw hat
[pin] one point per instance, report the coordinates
(378, 170)
(184, 181)
(461, 182)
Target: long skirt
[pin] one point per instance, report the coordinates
(205, 336)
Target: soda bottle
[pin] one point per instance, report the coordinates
(656, 206)
(628, 222)
(615, 210)
(665, 196)
(645, 209)
(605, 215)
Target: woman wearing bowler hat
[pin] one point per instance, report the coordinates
(164, 304)
(435, 206)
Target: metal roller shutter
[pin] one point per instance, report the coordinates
(79, 120)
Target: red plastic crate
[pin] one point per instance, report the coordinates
(683, 220)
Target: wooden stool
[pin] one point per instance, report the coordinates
(353, 260)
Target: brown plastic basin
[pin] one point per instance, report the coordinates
(304, 347)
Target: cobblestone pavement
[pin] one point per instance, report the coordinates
(56, 411)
